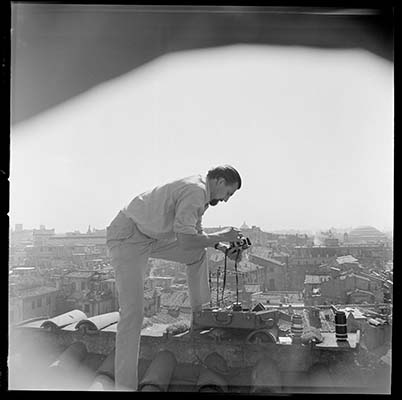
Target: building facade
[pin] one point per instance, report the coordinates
(32, 303)
(275, 273)
(92, 292)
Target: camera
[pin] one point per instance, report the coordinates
(242, 243)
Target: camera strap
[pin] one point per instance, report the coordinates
(237, 278)
(225, 273)
(210, 288)
(218, 272)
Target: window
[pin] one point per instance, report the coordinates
(48, 300)
(33, 305)
(83, 285)
(86, 308)
(74, 286)
(39, 302)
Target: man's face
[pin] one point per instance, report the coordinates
(222, 192)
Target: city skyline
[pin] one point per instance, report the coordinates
(94, 229)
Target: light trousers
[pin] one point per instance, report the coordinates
(130, 250)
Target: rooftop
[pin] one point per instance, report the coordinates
(264, 261)
(358, 276)
(346, 259)
(359, 291)
(247, 266)
(100, 235)
(75, 352)
(36, 291)
(366, 231)
(314, 279)
(357, 313)
(80, 274)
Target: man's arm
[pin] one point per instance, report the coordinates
(202, 240)
(196, 241)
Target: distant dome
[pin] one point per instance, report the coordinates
(244, 226)
(366, 234)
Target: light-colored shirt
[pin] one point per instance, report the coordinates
(176, 207)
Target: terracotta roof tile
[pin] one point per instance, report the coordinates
(110, 328)
(60, 321)
(76, 360)
(98, 322)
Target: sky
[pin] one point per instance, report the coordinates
(310, 131)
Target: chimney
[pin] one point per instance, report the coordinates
(297, 328)
(341, 326)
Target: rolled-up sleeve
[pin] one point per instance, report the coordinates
(189, 211)
(198, 226)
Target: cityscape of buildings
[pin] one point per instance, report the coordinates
(53, 274)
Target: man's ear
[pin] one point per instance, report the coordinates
(221, 181)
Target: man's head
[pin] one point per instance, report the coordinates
(223, 181)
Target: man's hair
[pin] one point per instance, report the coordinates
(227, 172)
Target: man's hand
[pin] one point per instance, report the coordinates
(229, 234)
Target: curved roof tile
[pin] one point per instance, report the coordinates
(98, 322)
(63, 320)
